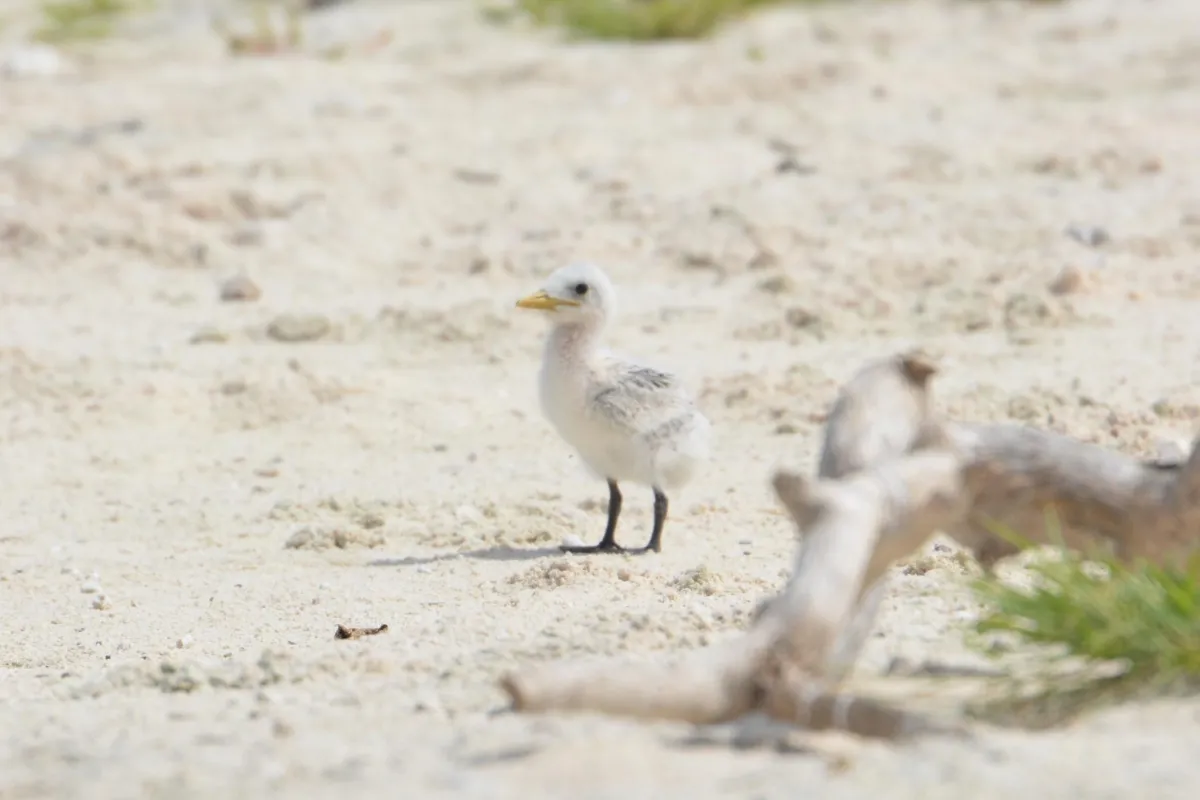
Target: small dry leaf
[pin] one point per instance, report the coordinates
(344, 632)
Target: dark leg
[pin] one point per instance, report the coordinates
(609, 543)
(660, 517)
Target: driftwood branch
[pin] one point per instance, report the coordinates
(891, 474)
(1018, 477)
(779, 666)
(883, 412)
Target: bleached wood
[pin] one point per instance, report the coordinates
(891, 475)
(882, 412)
(885, 410)
(1021, 477)
(778, 666)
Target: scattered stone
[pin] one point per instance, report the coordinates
(801, 318)
(1068, 281)
(788, 158)
(776, 284)
(1022, 310)
(33, 61)
(101, 603)
(700, 580)
(171, 677)
(476, 176)
(198, 254)
(323, 537)
(572, 540)
(298, 327)
(1023, 409)
(246, 236)
(239, 289)
(974, 319)
(466, 513)
(920, 566)
(1170, 452)
(1088, 235)
(371, 521)
(209, 335)
(790, 164)
(557, 574)
(1171, 410)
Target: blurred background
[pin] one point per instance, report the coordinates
(257, 272)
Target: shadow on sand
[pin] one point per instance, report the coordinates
(500, 553)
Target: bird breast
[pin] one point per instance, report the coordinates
(564, 401)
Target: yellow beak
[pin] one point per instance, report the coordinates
(543, 302)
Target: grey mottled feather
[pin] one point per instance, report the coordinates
(647, 396)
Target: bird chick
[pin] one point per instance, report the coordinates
(627, 421)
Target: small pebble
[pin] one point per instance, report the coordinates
(33, 61)
(1089, 235)
(776, 284)
(246, 236)
(370, 521)
(183, 642)
(1169, 451)
(572, 541)
(1068, 281)
(90, 587)
(801, 318)
(209, 335)
(468, 514)
(298, 327)
(239, 289)
(101, 603)
(702, 616)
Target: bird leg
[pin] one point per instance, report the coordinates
(660, 518)
(609, 543)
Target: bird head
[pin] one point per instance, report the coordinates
(575, 293)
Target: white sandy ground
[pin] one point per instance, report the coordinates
(411, 193)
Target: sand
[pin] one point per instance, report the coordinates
(1012, 187)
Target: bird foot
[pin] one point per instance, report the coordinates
(580, 549)
(613, 549)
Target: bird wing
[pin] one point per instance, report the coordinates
(636, 399)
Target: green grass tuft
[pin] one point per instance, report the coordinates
(1088, 615)
(632, 20)
(76, 20)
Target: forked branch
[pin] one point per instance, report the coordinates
(779, 666)
(891, 474)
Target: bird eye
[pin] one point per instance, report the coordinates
(581, 289)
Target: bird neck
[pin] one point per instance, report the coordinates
(574, 340)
